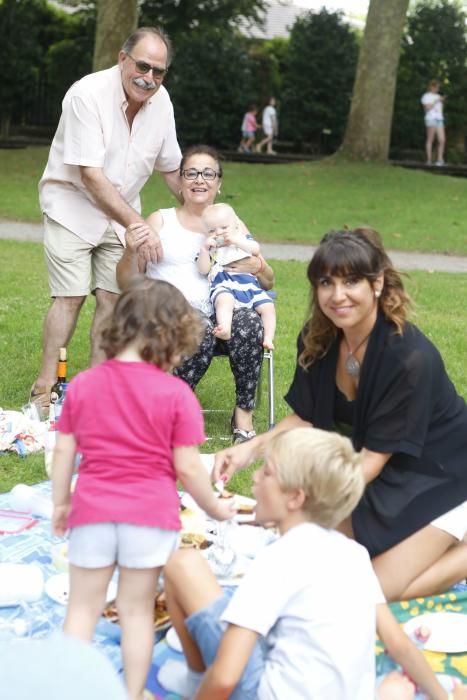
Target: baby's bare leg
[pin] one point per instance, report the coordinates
(224, 306)
(268, 317)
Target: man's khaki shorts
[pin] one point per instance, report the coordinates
(77, 267)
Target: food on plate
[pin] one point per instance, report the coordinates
(245, 508)
(194, 539)
(422, 633)
(226, 494)
(161, 616)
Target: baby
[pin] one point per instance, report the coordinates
(225, 243)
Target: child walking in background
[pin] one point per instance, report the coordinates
(225, 243)
(137, 428)
(249, 126)
(301, 623)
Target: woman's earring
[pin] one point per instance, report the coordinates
(377, 294)
(179, 192)
(219, 191)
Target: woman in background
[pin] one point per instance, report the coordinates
(432, 103)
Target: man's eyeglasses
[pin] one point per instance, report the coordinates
(143, 67)
(207, 174)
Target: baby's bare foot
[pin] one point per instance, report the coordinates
(222, 332)
(396, 686)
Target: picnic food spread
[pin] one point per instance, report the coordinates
(194, 539)
(161, 616)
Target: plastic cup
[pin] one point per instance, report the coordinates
(28, 500)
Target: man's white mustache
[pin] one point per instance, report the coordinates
(146, 85)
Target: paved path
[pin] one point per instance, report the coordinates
(404, 261)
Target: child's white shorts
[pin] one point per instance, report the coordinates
(454, 522)
(132, 546)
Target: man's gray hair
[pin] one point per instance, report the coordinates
(141, 32)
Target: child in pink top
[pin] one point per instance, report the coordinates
(249, 126)
(137, 428)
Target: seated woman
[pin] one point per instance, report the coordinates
(181, 232)
(362, 368)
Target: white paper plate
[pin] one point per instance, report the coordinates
(190, 503)
(173, 640)
(208, 461)
(448, 631)
(58, 587)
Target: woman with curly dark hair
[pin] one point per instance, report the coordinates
(137, 428)
(364, 370)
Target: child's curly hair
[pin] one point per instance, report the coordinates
(158, 317)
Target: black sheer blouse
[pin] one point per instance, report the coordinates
(406, 405)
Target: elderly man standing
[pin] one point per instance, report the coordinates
(117, 126)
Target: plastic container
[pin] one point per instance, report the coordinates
(50, 439)
(20, 583)
(60, 556)
(28, 500)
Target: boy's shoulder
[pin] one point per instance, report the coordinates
(329, 547)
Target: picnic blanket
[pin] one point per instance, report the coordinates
(454, 600)
(443, 665)
(36, 545)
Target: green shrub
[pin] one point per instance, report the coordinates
(434, 46)
(318, 78)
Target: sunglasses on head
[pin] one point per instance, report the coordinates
(143, 67)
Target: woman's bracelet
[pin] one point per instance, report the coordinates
(261, 265)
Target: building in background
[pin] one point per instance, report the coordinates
(282, 14)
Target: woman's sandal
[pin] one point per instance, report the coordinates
(240, 435)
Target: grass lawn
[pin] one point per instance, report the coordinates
(441, 312)
(413, 210)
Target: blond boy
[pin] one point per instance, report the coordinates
(302, 622)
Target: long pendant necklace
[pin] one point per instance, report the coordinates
(351, 364)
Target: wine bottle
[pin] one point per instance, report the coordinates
(58, 390)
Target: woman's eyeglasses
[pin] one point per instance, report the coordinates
(207, 174)
(143, 67)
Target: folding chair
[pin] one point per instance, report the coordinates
(268, 355)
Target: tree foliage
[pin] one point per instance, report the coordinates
(55, 51)
(68, 57)
(177, 17)
(318, 75)
(268, 60)
(434, 46)
(211, 83)
(21, 59)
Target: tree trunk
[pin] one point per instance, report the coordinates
(116, 20)
(5, 123)
(368, 131)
